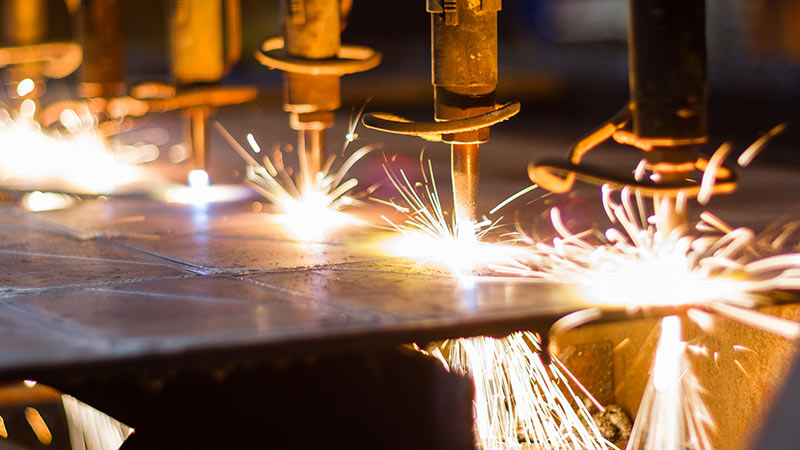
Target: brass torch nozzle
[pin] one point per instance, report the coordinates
(464, 167)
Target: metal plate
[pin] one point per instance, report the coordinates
(164, 281)
(130, 280)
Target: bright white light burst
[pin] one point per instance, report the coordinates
(672, 414)
(428, 235)
(309, 204)
(77, 161)
(635, 265)
(518, 397)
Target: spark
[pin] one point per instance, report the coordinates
(198, 179)
(25, 87)
(200, 192)
(77, 159)
(355, 118)
(201, 195)
(518, 397)
(637, 266)
(38, 201)
(701, 318)
(624, 343)
(742, 348)
(711, 171)
(310, 204)
(752, 151)
(427, 235)
(513, 197)
(672, 414)
(90, 428)
(38, 425)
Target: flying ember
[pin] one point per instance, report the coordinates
(309, 203)
(635, 265)
(78, 160)
(427, 234)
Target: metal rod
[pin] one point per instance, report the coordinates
(312, 145)
(198, 136)
(667, 63)
(103, 73)
(668, 215)
(464, 168)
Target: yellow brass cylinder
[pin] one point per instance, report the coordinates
(197, 41)
(26, 21)
(464, 168)
(197, 135)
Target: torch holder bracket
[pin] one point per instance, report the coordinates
(150, 97)
(56, 59)
(559, 175)
(173, 99)
(434, 131)
(350, 59)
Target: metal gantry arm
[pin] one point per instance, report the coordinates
(666, 114)
(464, 77)
(29, 54)
(313, 60)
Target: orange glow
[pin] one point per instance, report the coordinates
(38, 426)
(309, 204)
(427, 235)
(78, 160)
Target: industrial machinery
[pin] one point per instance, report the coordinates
(102, 85)
(666, 111)
(205, 44)
(313, 60)
(212, 327)
(102, 39)
(29, 55)
(464, 77)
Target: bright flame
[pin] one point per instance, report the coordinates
(311, 217)
(90, 428)
(309, 204)
(672, 414)
(200, 191)
(427, 234)
(78, 160)
(635, 265)
(518, 397)
(200, 194)
(38, 201)
(25, 87)
(198, 179)
(38, 425)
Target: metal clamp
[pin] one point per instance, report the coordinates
(151, 97)
(433, 131)
(559, 176)
(208, 96)
(350, 59)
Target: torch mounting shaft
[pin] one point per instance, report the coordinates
(464, 166)
(311, 148)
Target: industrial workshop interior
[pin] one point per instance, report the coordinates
(425, 225)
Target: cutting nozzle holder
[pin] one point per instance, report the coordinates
(350, 59)
(433, 131)
(558, 176)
